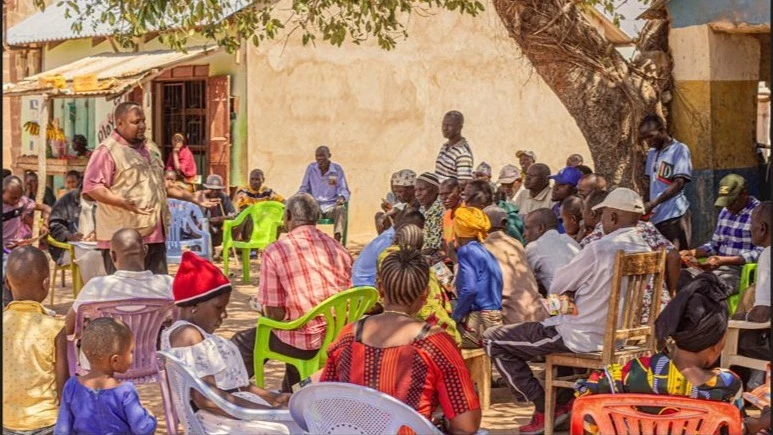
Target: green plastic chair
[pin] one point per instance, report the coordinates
(358, 300)
(324, 221)
(748, 277)
(266, 217)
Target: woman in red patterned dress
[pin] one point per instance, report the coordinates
(408, 359)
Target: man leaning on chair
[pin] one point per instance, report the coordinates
(587, 279)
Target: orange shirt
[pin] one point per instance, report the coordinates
(448, 226)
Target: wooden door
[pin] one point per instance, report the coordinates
(219, 118)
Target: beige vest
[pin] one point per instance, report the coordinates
(138, 180)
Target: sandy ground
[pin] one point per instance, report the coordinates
(503, 417)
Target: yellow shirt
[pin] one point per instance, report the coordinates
(29, 354)
(246, 196)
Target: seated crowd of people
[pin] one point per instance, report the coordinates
(460, 262)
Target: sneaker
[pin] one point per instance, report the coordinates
(534, 427)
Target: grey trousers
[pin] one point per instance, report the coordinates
(338, 214)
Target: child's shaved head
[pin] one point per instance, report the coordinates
(27, 274)
(103, 337)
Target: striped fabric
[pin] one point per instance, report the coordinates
(426, 373)
(298, 273)
(454, 161)
(733, 235)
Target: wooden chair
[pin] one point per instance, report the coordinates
(623, 324)
(730, 355)
(479, 366)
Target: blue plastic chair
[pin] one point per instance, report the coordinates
(187, 219)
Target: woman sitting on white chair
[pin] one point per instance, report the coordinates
(399, 355)
(202, 292)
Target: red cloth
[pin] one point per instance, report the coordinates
(100, 171)
(423, 374)
(298, 273)
(187, 164)
(196, 277)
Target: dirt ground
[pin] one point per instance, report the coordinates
(503, 417)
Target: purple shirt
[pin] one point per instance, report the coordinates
(14, 228)
(327, 188)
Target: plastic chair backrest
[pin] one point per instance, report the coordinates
(748, 275)
(341, 408)
(187, 217)
(266, 217)
(143, 316)
(177, 383)
(620, 414)
(339, 310)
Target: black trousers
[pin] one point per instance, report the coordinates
(245, 341)
(155, 261)
(677, 230)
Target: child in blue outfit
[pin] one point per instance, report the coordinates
(98, 403)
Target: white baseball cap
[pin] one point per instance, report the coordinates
(623, 199)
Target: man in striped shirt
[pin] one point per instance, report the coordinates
(455, 156)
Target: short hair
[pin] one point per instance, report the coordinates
(573, 205)
(409, 216)
(453, 182)
(764, 208)
(303, 208)
(324, 148)
(654, 119)
(545, 216)
(584, 169)
(80, 138)
(595, 198)
(28, 263)
(73, 173)
(544, 170)
(456, 115)
(103, 337)
(404, 276)
(7, 173)
(256, 170)
(481, 193)
(122, 109)
(576, 158)
(31, 174)
(11, 180)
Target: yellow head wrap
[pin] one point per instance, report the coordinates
(471, 222)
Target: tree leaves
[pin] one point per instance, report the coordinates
(230, 22)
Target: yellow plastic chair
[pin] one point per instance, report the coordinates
(75, 271)
(339, 310)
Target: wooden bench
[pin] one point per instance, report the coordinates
(479, 365)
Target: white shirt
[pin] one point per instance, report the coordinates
(548, 253)
(762, 293)
(527, 204)
(589, 275)
(124, 284)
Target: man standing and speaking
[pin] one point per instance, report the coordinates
(455, 157)
(125, 175)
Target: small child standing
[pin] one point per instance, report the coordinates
(97, 402)
(34, 347)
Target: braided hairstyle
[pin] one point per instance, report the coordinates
(409, 236)
(404, 273)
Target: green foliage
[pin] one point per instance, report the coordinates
(332, 21)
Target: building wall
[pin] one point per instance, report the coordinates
(381, 111)
(746, 13)
(715, 112)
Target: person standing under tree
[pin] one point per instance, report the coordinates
(125, 175)
(455, 156)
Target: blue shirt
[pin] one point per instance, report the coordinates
(557, 212)
(110, 411)
(326, 189)
(478, 282)
(364, 268)
(662, 168)
(733, 235)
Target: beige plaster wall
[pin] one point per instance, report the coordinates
(381, 111)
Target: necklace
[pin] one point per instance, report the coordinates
(401, 313)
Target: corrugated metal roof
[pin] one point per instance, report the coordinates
(117, 72)
(52, 25)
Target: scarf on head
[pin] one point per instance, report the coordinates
(471, 222)
(697, 317)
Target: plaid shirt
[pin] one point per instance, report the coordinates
(298, 273)
(733, 236)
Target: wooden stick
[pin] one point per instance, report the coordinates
(233, 250)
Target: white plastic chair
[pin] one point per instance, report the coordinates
(341, 408)
(176, 385)
(187, 217)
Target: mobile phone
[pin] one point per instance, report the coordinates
(300, 385)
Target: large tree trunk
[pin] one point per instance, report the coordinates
(605, 94)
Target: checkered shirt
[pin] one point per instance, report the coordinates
(298, 273)
(733, 236)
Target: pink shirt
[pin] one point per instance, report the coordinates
(101, 172)
(187, 164)
(14, 228)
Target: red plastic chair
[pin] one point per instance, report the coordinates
(620, 414)
(143, 316)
